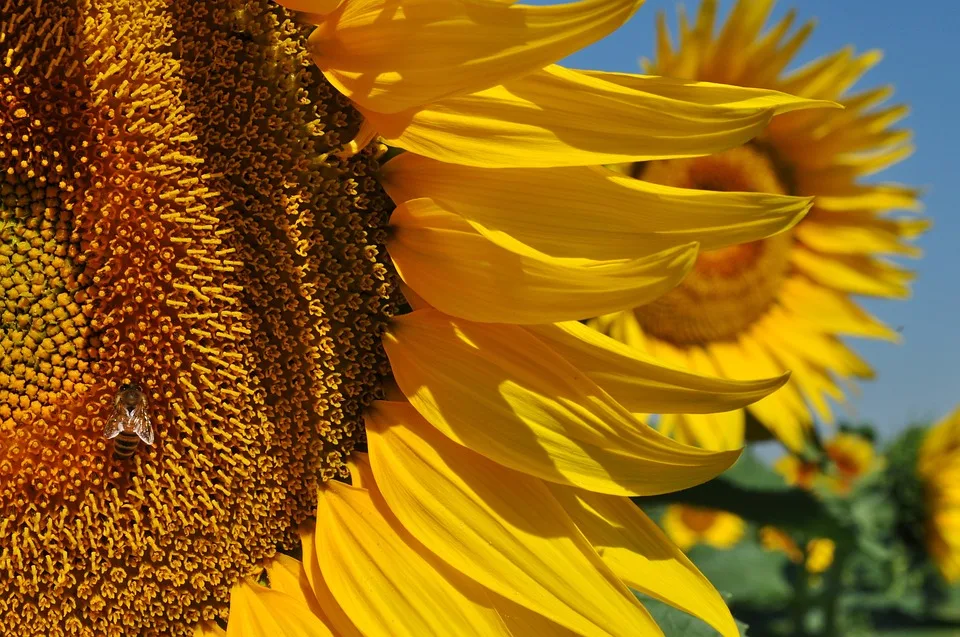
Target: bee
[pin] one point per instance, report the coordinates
(130, 422)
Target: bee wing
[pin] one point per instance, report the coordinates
(114, 424)
(142, 425)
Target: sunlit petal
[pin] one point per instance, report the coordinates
(500, 527)
(502, 392)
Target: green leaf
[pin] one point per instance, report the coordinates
(676, 623)
(746, 574)
(750, 472)
(948, 607)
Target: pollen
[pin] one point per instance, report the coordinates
(729, 288)
(173, 213)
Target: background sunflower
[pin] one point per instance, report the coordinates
(783, 302)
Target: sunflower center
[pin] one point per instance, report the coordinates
(731, 287)
(698, 520)
(170, 217)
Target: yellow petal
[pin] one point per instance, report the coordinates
(414, 300)
(830, 76)
(783, 412)
(851, 233)
(555, 210)
(862, 132)
(823, 350)
(820, 552)
(388, 57)
(385, 580)
(847, 197)
(643, 557)
(726, 531)
(288, 576)
(559, 117)
(257, 611)
(342, 625)
(828, 310)
(704, 94)
(709, 431)
(760, 354)
(715, 430)
(676, 529)
(502, 528)
(856, 274)
(771, 55)
(815, 383)
(743, 25)
(644, 384)
(208, 629)
(501, 392)
(522, 621)
(622, 327)
(664, 44)
(440, 255)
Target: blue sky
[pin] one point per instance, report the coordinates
(920, 378)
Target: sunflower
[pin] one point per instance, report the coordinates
(849, 456)
(782, 302)
(938, 469)
(192, 202)
(689, 525)
(817, 557)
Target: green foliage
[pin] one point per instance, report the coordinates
(747, 574)
(920, 632)
(756, 493)
(880, 579)
(676, 623)
(751, 473)
(862, 429)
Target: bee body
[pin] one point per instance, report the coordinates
(130, 423)
(124, 445)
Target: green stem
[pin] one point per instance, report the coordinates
(800, 605)
(793, 509)
(831, 595)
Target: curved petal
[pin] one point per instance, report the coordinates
(783, 412)
(522, 621)
(438, 254)
(855, 274)
(558, 117)
(501, 392)
(556, 210)
(389, 57)
(723, 430)
(830, 311)
(853, 233)
(814, 382)
(819, 348)
(332, 612)
(879, 198)
(257, 611)
(643, 557)
(709, 431)
(287, 575)
(502, 528)
(644, 384)
(711, 93)
(385, 580)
